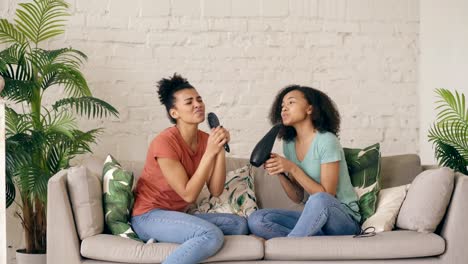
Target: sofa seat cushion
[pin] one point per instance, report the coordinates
(385, 245)
(113, 248)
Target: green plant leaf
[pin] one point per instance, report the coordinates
(449, 134)
(15, 64)
(38, 20)
(10, 190)
(88, 106)
(10, 34)
(16, 123)
(59, 122)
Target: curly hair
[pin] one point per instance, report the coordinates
(325, 115)
(167, 87)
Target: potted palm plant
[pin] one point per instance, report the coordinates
(449, 134)
(42, 137)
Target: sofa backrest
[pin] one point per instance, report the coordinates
(395, 171)
(399, 170)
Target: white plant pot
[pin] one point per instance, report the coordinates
(23, 258)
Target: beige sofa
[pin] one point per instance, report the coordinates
(447, 245)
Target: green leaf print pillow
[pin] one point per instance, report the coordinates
(238, 196)
(364, 171)
(118, 198)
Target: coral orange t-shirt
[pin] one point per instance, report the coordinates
(153, 191)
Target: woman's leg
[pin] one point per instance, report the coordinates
(324, 213)
(199, 239)
(270, 223)
(230, 224)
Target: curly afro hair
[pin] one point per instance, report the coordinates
(167, 87)
(325, 116)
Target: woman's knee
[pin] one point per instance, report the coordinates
(255, 221)
(214, 239)
(321, 200)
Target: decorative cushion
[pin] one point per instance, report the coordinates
(86, 198)
(388, 206)
(238, 196)
(427, 200)
(364, 171)
(118, 198)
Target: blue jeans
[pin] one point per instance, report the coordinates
(200, 235)
(323, 214)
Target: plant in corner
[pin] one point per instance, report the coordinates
(42, 138)
(449, 133)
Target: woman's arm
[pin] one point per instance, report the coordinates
(218, 174)
(176, 176)
(293, 190)
(218, 177)
(329, 175)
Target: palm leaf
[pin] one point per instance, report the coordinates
(67, 56)
(73, 80)
(449, 134)
(16, 157)
(10, 34)
(16, 123)
(15, 63)
(58, 122)
(58, 157)
(452, 107)
(18, 91)
(33, 182)
(448, 156)
(453, 133)
(83, 140)
(88, 106)
(10, 190)
(41, 20)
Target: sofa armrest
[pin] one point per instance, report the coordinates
(63, 245)
(454, 229)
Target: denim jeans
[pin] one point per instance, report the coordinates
(323, 214)
(200, 235)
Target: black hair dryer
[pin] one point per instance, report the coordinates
(262, 150)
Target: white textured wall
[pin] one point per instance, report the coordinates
(444, 59)
(239, 53)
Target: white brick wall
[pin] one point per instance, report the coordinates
(239, 53)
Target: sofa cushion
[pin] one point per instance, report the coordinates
(385, 245)
(118, 198)
(364, 171)
(113, 248)
(86, 198)
(388, 206)
(238, 196)
(427, 200)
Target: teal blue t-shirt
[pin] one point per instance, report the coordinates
(326, 148)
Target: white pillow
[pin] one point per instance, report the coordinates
(388, 205)
(238, 196)
(427, 200)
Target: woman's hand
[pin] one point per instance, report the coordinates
(218, 137)
(277, 164)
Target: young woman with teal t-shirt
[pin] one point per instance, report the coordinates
(314, 162)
